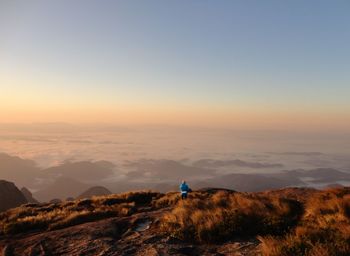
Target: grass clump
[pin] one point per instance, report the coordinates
(29, 218)
(324, 229)
(224, 215)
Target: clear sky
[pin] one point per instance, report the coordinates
(245, 64)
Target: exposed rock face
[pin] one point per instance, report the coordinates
(10, 196)
(95, 191)
(28, 195)
(118, 237)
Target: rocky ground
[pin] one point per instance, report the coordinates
(134, 235)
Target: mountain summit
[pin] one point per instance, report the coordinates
(293, 221)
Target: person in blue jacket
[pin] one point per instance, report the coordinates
(184, 189)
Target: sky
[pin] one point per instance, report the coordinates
(238, 64)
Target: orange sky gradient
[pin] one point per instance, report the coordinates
(237, 118)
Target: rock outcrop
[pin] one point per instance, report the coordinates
(28, 195)
(10, 196)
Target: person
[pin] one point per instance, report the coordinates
(184, 189)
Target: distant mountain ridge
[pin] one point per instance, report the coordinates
(61, 188)
(94, 191)
(22, 171)
(69, 179)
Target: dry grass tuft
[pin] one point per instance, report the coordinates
(324, 229)
(225, 215)
(55, 216)
(286, 223)
(316, 225)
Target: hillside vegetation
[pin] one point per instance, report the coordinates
(282, 222)
(35, 217)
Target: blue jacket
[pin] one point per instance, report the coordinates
(184, 188)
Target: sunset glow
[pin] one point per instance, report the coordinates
(254, 67)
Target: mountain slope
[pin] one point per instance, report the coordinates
(28, 195)
(210, 222)
(10, 196)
